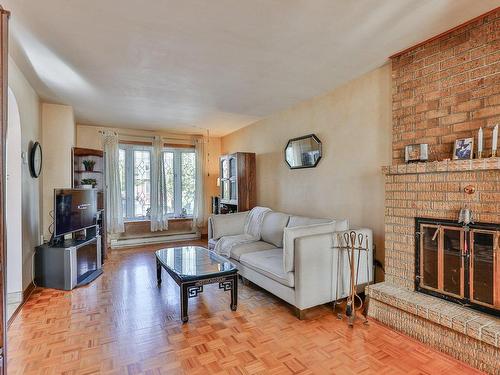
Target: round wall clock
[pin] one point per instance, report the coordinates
(35, 161)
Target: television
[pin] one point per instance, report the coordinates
(74, 209)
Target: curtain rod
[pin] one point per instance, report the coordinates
(185, 138)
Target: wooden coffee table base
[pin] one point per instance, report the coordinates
(191, 289)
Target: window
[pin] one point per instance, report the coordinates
(135, 176)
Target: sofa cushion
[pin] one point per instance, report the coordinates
(228, 224)
(272, 228)
(250, 247)
(270, 264)
(300, 221)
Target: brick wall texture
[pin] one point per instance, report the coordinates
(448, 88)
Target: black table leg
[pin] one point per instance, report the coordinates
(158, 272)
(184, 302)
(234, 293)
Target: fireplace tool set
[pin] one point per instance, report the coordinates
(349, 243)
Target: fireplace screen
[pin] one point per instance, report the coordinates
(459, 263)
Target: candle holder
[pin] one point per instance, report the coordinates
(493, 153)
(479, 154)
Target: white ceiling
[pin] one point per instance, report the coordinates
(218, 64)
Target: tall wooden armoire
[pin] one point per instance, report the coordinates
(237, 181)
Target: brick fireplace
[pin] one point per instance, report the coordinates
(443, 90)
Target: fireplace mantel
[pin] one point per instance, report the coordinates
(443, 166)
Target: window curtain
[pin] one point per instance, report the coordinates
(114, 209)
(199, 198)
(159, 217)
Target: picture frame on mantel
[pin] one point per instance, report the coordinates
(463, 149)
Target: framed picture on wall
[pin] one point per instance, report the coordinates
(463, 149)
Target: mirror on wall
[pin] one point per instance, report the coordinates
(303, 152)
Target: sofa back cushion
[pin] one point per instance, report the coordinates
(293, 233)
(227, 225)
(300, 221)
(272, 228)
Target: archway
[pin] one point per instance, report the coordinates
(13, 209)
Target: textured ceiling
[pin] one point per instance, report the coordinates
(221, 64)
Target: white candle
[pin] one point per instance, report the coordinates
(495, 139)
(480, 140)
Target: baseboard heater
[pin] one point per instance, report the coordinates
(139, 241)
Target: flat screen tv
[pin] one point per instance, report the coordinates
(74, 209)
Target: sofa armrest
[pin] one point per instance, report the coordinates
(291, 235)
(322, 270)
(226, 225)
(314, 270)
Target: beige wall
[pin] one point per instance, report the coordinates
(88, 136)
(354, 124)
(58, 136)
(29, 111)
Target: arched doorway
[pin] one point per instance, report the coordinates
(13, 209)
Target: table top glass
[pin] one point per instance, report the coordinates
(193, 262)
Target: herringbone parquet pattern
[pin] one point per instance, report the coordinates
(124, 324)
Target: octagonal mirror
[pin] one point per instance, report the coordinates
(303, 152)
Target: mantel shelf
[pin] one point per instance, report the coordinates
(444, 166)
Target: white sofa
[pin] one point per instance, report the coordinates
(295, 258)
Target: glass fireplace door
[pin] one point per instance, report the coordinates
(429, 256)
(453, 262)
(442, 260)
(484, 265)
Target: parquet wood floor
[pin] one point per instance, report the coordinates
(124, 324)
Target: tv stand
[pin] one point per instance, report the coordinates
(68, 263)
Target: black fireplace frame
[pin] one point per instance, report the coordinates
(461, 301)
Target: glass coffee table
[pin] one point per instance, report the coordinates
(191, 267)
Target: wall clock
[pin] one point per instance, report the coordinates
(35, 161)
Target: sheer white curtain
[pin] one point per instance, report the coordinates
(199, 198)
(114, 210)
(159, 218)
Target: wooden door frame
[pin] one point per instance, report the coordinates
(4, 16)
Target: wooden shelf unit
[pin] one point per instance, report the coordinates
(237, 181)
(78, 172)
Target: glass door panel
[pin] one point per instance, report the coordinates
(232, 167)
(234, 193)
(482, 269)
(452, 261)
(225, 168)
(225, 190)
(429, 256)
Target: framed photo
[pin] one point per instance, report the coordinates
(463, 149)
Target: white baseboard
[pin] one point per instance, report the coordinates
(130, 242)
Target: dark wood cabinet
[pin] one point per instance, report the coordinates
(237, 181)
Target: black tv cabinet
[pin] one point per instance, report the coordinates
(68, 264)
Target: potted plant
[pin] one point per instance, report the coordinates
(89, 165)
(88, 183)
